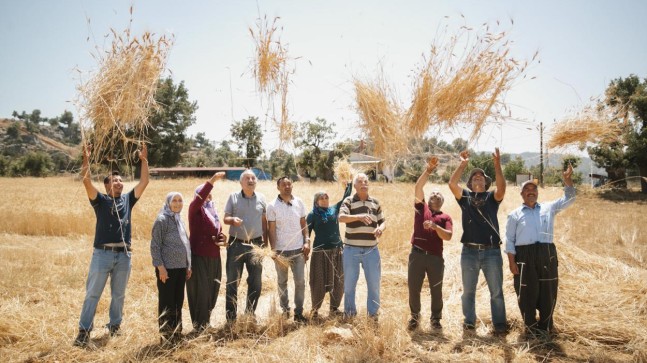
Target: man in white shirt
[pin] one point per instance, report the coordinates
(286, 217)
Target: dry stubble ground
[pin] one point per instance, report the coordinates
(45, 248)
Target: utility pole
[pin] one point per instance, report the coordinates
(541, 154)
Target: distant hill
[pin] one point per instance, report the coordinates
(553, 159)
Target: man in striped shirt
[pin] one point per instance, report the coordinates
(364, 225)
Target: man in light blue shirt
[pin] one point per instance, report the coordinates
(532, 255)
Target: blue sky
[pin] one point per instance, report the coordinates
(582, 46)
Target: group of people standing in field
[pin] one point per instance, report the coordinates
(189, 258)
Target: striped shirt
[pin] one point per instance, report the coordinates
(357, 233)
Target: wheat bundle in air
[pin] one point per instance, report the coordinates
(344, 172)
(590, 125)
(463, 82)
(380, 117)
(118, 98)
(272, 73)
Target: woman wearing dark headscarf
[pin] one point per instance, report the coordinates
(326, 272)
(206, 239)
(171, 255)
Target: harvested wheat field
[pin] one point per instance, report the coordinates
(46, 242)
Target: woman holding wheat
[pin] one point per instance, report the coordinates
(171, 253)
(326, 271)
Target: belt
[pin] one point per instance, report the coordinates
(114, 249)
(257, 241)
(479, 246)
(420, 250)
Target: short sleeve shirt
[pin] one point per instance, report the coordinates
(480, 223)
(287, 217)
(113, 218)
(250, 210)
(428, 239)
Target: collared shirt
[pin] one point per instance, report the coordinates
(287, 216)
(357, 233)
(250, 210)
(530, 225)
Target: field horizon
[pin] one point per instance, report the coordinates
(46, 243)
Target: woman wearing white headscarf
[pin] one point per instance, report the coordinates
(171, 255)
(206, 239)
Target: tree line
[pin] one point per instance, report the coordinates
(315, 153)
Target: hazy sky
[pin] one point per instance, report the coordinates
(582, 46)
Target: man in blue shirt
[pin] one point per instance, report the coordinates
(111, 255)
(532, 255)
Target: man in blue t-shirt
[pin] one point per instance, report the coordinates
(111, 256)
(481, 239)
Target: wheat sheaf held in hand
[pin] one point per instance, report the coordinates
(119, 96)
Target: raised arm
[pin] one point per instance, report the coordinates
(217, 176)
(432, 163)
(90, 190)
(500, 179)
(453, 181)
(143, 178)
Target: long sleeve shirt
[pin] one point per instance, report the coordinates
(203, 232)
(167, 248)
(527, 225)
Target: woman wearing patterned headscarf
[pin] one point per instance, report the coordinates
(171, 255)
(206, 239)
(326, 272)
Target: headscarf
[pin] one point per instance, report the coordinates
(166, 210)
(325, 214)
(209, 208)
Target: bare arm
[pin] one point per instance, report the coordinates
(265, 226)
(90, 190)
(568, 176)
(306, 239)
(143, 178)
(432, 163)
(453, 181)
(500, 179)
(272, 233)
(217, 176)
(443, 233)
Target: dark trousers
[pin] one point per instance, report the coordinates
(239, 256)
(536, 284)
(423, 265)
(202, 289)
(326, 276)
(171, 299)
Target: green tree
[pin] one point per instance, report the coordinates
(35, 163)
(312, 138)
(514, 167)
(629, 96)
(169, 123)
(248, 137)
(13, 131)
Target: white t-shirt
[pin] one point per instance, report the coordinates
(289, 236)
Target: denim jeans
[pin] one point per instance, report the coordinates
(295, 261)
(490, 261)
(239, 256)
(369, 259)
(105, 263)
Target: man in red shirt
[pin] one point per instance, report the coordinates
(430, 227)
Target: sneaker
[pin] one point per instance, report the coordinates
(435, 323)
(413, 324)
(335, 313)
(468, 326)
(114, 330)
(82, 339)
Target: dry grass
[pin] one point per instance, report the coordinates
(272, 72)
(601, 311)
(591, 124)
(463, 81)
(380, 117)
(118, 98)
